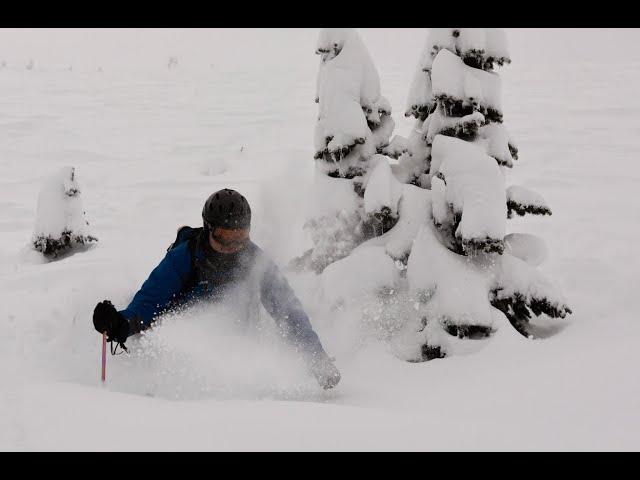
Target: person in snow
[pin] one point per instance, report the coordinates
(215, 262)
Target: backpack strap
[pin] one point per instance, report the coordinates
(192, 236)
(184, 233)
(194, 239)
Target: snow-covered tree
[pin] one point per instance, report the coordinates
(60, 218)
(353, 127)
(30, 64)
(463, 151)
(172, 63)
(424, 238)
(354, 120)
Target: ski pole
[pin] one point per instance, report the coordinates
(104, 356)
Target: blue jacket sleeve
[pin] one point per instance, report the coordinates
(157, 292)
(279, 299)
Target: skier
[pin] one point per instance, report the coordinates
(215, 262)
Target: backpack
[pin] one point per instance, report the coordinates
(188, 234)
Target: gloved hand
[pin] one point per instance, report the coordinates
(107, 319)
(325, 372)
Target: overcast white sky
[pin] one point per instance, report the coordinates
(395, 51)
(231, 48)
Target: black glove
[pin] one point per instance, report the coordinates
(107, 319)
(325, 372)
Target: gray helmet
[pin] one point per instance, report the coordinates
(226, 209)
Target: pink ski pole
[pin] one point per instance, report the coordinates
(104, 357)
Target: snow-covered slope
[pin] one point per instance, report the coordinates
(151, 144)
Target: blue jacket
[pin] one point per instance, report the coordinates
(169, 285)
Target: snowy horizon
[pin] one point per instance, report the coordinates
(149, 144)
(87, 48)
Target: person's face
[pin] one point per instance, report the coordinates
(228, 240)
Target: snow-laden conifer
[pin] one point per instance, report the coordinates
(60, 218)
(463, 266)
(353, 128)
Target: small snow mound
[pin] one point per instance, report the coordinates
(214, 166)
(530, 248)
